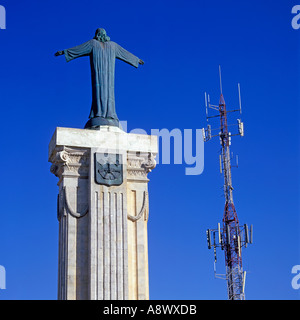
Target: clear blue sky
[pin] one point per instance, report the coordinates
(182, 44)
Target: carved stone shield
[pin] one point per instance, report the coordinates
(108, 169)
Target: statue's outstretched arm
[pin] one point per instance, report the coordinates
(127, 57)
(82, 50)
(59, 53)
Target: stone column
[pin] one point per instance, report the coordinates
(71, 166)
(138, 166)
(103, 246)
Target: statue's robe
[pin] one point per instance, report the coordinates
(102, 58)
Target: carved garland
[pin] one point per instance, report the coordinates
(68, 207)
(142, 211)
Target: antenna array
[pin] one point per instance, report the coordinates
(230, 236)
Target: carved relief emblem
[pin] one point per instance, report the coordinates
(108, 169)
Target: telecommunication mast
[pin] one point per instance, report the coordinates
(229, 235)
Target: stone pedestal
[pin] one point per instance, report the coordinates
(103, 252)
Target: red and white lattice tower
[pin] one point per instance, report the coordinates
(230, 237)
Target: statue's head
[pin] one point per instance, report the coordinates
(101, 35)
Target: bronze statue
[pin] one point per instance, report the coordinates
(102, 53)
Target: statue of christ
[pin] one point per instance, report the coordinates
(102, 53)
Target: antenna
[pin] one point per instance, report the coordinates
(208, 239)
(219, 233)
(203, 134)
(220, 75)
(240, 99)
(240, 127)
(244, 282)
(208, 131)
(206, 106)
(246, 233)
(251, 233)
